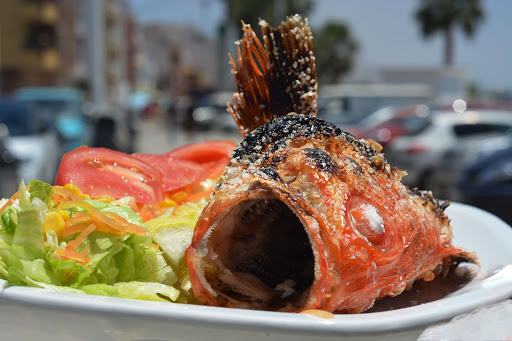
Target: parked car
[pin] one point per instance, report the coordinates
(390, 122)
(422, 153)
(30, 141)
(383, 124)
(59, 108)
(347, 105)
(8, 166)
(212, 112)
(457, 159)
(487, 182)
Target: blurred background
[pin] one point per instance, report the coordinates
(431, 80)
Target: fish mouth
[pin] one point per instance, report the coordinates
(259, 255)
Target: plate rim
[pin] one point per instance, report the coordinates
(495, 288)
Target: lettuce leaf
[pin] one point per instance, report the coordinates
(147, 291)
(5, 250)
(24, 196)
(69, 272)
(27, 255)
(100, 290)
(41, 190)
(9, 220)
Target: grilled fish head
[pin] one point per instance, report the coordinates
(306, 216)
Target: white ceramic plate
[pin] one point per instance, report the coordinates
(36, 314)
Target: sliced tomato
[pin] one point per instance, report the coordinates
(176, 173)
(101, 171)
(213, 155)
(203, 152)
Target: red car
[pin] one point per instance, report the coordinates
(400, 121)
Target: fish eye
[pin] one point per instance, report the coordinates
(366, 219)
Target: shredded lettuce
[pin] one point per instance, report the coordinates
(27, 257)
(9, 220)
(100, 290)
(24, 196)
(69, 272)
(147, 291)
(125, 265)
(123, 211)
(41, 190)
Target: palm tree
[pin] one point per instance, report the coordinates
(335, 50)
(444, 16)
(273, 11)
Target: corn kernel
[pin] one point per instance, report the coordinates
(168, 203)
(64, 214)
(73, 189)
(53, 221)
(104, 198)
(179, 196)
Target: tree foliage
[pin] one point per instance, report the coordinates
(335, 50)
(334, 45)
(442, 16)
(273, 11)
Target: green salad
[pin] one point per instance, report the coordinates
(57, 238)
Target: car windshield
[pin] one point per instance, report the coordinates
(412, 125)
(19, 119)
(463, 130)
(49, 110)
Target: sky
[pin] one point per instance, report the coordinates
(387, 33)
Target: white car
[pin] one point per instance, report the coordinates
(32, 144)
(432, 156)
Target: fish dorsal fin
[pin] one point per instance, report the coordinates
(276, 77)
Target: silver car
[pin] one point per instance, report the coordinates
(433, 156)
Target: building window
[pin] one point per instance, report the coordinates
(41, 36)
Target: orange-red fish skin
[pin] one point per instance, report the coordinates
(368, 235)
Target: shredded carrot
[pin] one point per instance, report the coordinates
(133, 205)
(78, 217)
(70, 251)
(129, 227)
(105, 221)
(117, 222)
(75, 228)
(198, 196)
(65, 194)
(72, 245)
(7, 204)
(146, 214)
(72, 255)
(11, 200)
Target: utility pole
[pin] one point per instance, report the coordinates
(96, 23)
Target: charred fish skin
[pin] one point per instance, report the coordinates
(306, 216)
(368, 236)
(281, 131)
